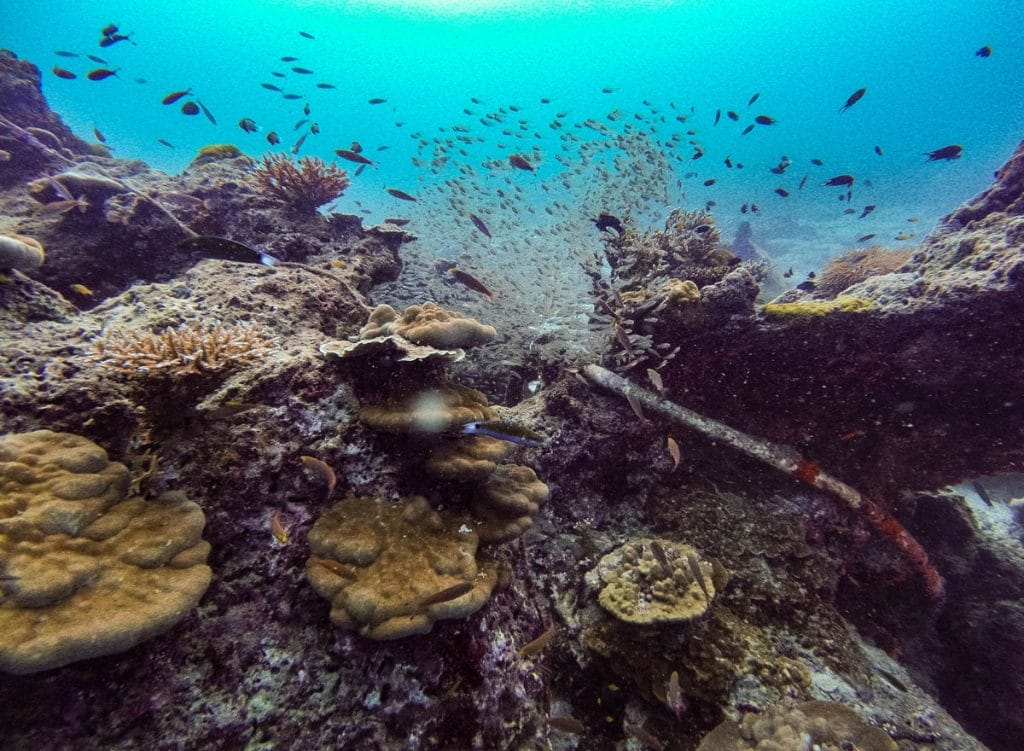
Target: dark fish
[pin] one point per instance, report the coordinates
(300, 123)
(162, 142)
(175, 96)
(803, 182)
(606, 221)
(984, 51)
(782, 192)
(946, 152)
(607, 90)
(289, 59)
(100, 73)
(298, 144)
(853, 99)
(817, 162)
(753, 99)
(867, 210)
(788, 273)
(501, 429)
(709, 182)
(62, 73)
(270, 86)
(807, 286)
(352, 156)
(326, 86)
(698, 575)
(273, 139)
(113, 39)
(470, 281)
(109, 29)
(97, 59)
(718, 116)
(303, 71)
(314, 128)
(878, 150)
(982, 493)
(275, 74)
(305, 110)
(479, 224)
(448, 593)
(660, 555)
(865, 238)
(225, 250)
(401, 194)
(359, 169)
(189, 108)
(65, 53)
(765, 120)
(728, 162)
(140, 80)
(747, 130)
(292, 96)
(839, 180)
(206, 112)
(376, 100)
(519, 162)
(306, 34)
(247, 124)
(99, 135)
(732, 115)
(356, 147)
(397, 221)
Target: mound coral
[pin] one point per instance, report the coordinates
(20, 252)
(428, 411)
(87, 570)
(647, 581)
(391, 569)
(855, 266)
(810, 724)
(303, 186)
(428, 324)
(215, 152)
(191, 348)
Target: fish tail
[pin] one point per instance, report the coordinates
(268, 260)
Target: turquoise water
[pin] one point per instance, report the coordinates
(926, 89)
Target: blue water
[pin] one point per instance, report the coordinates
(925, 89)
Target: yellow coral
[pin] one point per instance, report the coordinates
(91, 571)
(811, 308)
(388, 568)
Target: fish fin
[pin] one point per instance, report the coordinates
(268, 260)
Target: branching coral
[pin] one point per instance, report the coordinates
(304, 185)
(855, 266)
(188, 349)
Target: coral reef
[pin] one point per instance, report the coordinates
(190, 349)
(382, 565)
(89, 571)
(304, 186)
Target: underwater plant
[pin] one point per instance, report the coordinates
(304, 185)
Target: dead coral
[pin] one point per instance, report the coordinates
(855, 266)
(188, 349)
(304, 185)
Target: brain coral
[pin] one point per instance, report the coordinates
(428, 324)
(637, 587)
(390, 569)
(89, 571)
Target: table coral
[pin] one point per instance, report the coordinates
(93, 572)
(428, 324)
(387, 567)
(638, 588)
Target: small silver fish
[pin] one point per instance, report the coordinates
(698, 574)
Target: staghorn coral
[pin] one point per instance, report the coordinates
(89, 571)
(857, 265)
(823, 725)
(191, 348)
(388, 568)
(303, 186)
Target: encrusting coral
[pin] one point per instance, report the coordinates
(304, 186)
(814, 308)
(647, 581)
(188, 349)
(821, 725)
(87, 570)
(391, 569)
